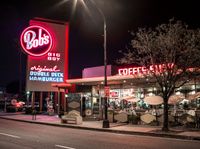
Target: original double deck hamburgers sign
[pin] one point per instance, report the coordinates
(46, 43)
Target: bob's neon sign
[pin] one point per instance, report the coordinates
(144, 70)
(36, 40)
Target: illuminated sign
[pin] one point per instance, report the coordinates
(46, 74)
(144, 70)
(53, 56)
(114, 93)
(107, 91)
(36, 40)
(46, 42)
(45, 68)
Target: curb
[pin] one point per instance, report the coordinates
(164, 135)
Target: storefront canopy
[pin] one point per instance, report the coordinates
(131, 99)
(193, 96)
(153, 100)
(175, 99)
(111, 80)
(61, 85)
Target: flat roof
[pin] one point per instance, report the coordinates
(110, 80)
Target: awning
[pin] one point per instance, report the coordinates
(197, 95)
(131, 98)
(193, 96)
(153, 100)
(110, 80)
(134, 99)
(175, 99)
(61, 85)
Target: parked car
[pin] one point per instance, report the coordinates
(14, 106)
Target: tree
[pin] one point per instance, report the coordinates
(171, 55)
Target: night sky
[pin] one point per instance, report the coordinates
(86, 28)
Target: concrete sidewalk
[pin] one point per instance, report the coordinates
(178, 133)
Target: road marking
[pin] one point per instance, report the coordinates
(61, 146)
(9, 135)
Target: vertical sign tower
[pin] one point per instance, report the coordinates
(46, 43)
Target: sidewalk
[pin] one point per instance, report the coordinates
(178, 133)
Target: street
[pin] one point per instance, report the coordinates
(20, 135)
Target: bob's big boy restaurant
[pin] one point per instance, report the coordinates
(47, 83)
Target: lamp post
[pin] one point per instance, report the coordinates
(105, 120)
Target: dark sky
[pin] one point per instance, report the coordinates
(86, 28)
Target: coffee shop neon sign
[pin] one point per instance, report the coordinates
(144, 70)
(36, 40)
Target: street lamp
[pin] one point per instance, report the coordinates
(105, 120)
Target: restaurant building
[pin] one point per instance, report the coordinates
(47, 83)
(127, 91)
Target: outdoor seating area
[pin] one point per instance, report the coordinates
(73, 117)
(149, 111)
(185, 118)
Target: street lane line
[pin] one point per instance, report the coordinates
(9, 135)
(61, 146)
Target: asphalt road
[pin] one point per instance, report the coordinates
(20, 135)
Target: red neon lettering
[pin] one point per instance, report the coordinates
(140, 70)
(143, 70)
(135, 70)
(151, 68)
(170, 65)
(120, 72)
(161, 67)
(130, 71)
(124, 71)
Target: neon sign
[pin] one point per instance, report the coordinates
(53, 56)
(45, 68)
(144, 70)
(51, 74)
(36, 41)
